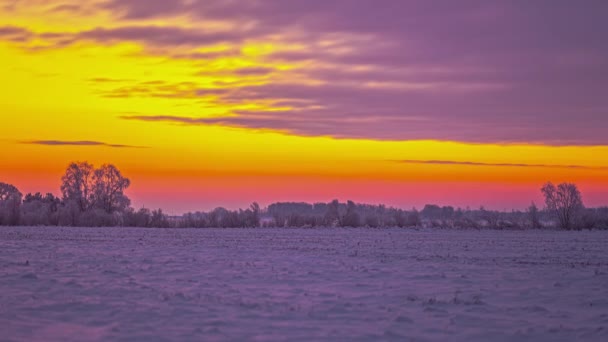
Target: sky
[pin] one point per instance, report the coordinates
(206, 103)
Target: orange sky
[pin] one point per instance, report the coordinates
(161, 118)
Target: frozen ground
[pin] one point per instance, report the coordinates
(300, 285)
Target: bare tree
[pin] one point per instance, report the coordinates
(8, 191)
(159, 219)
(351, 218)
(10, 204)
(413, 218)
(332, 216)
(39, 210)
(533, 216)
(254, 216)
(77, 184)
(109, 187)
(564, 200)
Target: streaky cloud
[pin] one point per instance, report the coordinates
(170, 118)
(523, 165)
(477, 71)
(15, 34)
(77, 143)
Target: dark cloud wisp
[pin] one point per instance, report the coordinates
(76, 143)
(522, 165)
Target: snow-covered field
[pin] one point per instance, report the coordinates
(300, 285)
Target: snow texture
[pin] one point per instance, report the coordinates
(88, 284)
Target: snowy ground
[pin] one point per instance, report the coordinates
(299, 285)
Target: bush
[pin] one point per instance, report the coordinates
(97, 218)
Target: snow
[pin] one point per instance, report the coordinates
(88, 284)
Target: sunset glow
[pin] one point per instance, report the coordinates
(221, 103)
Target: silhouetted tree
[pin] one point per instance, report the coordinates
(332, 216)
(351, 218)
(413, 218)
(140, 218)
(158, 219)
(564, 201)
(40, 210)
(231, 219)
(10, 204)
(109, 186)
(491, 217)
(253, 218)
(95, 197)
(194, 220)
(69, 213)
(534, 217)
(278, 219)
(399, 218)
(214, 218)
(96, 217)
(98, 194)
(77, 184)
(431, 211)
(371, 220)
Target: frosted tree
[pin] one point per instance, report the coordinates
(533, 216)
(77, 184)
(565, 201)
(10, 204)
(254, 216)
(351, 218)
(8, 191)
(108, 189)
(37, 209)
(332, 216)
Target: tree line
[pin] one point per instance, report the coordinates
(95, 197)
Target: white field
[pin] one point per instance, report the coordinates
(84, 284)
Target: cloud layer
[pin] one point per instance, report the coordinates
(476, 71)
(75, 143)
(519, 165)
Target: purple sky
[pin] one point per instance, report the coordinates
(144, 84)
(477, 71)
(484, 71)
